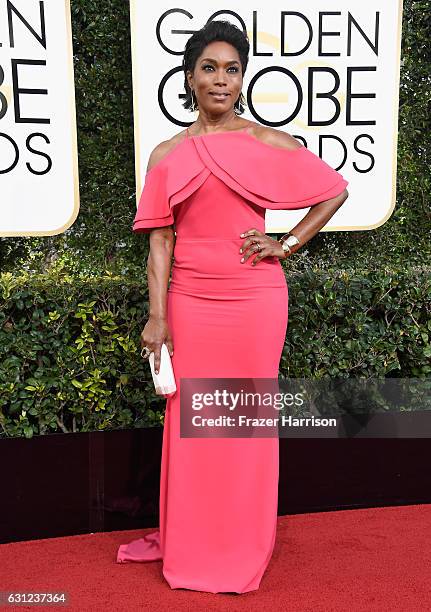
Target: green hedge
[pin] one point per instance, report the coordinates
(70, 351)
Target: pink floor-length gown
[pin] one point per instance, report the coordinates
(218, 496)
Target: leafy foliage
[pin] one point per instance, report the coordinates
(70, 356)
(70, 350)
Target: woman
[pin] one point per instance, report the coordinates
(225, 311)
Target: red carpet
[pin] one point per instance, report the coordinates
(370, 559)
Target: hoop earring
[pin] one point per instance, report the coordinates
(193, 104)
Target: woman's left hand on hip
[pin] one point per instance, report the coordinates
(260, 245)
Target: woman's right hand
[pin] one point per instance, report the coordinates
(155, 333)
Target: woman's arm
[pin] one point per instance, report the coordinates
(159, 268)
(308, 227)
(156, 331)
(162, 240)
(316, 218)
(161, 250)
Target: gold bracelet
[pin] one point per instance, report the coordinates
(284, 236)
(284, 240)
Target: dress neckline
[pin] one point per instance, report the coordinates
(243, 131)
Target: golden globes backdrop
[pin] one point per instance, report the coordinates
(326, 72)
(38, 151)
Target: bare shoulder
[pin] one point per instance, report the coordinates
(276, 138)
(163, 148)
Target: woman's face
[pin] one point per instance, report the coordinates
(217, 71)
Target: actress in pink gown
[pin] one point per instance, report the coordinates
(218, 496)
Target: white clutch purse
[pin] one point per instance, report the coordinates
(164, 381)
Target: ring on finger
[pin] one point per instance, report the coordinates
(146, 351)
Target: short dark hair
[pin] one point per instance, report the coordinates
(212, 31)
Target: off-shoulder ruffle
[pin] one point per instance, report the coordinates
(271, 177)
